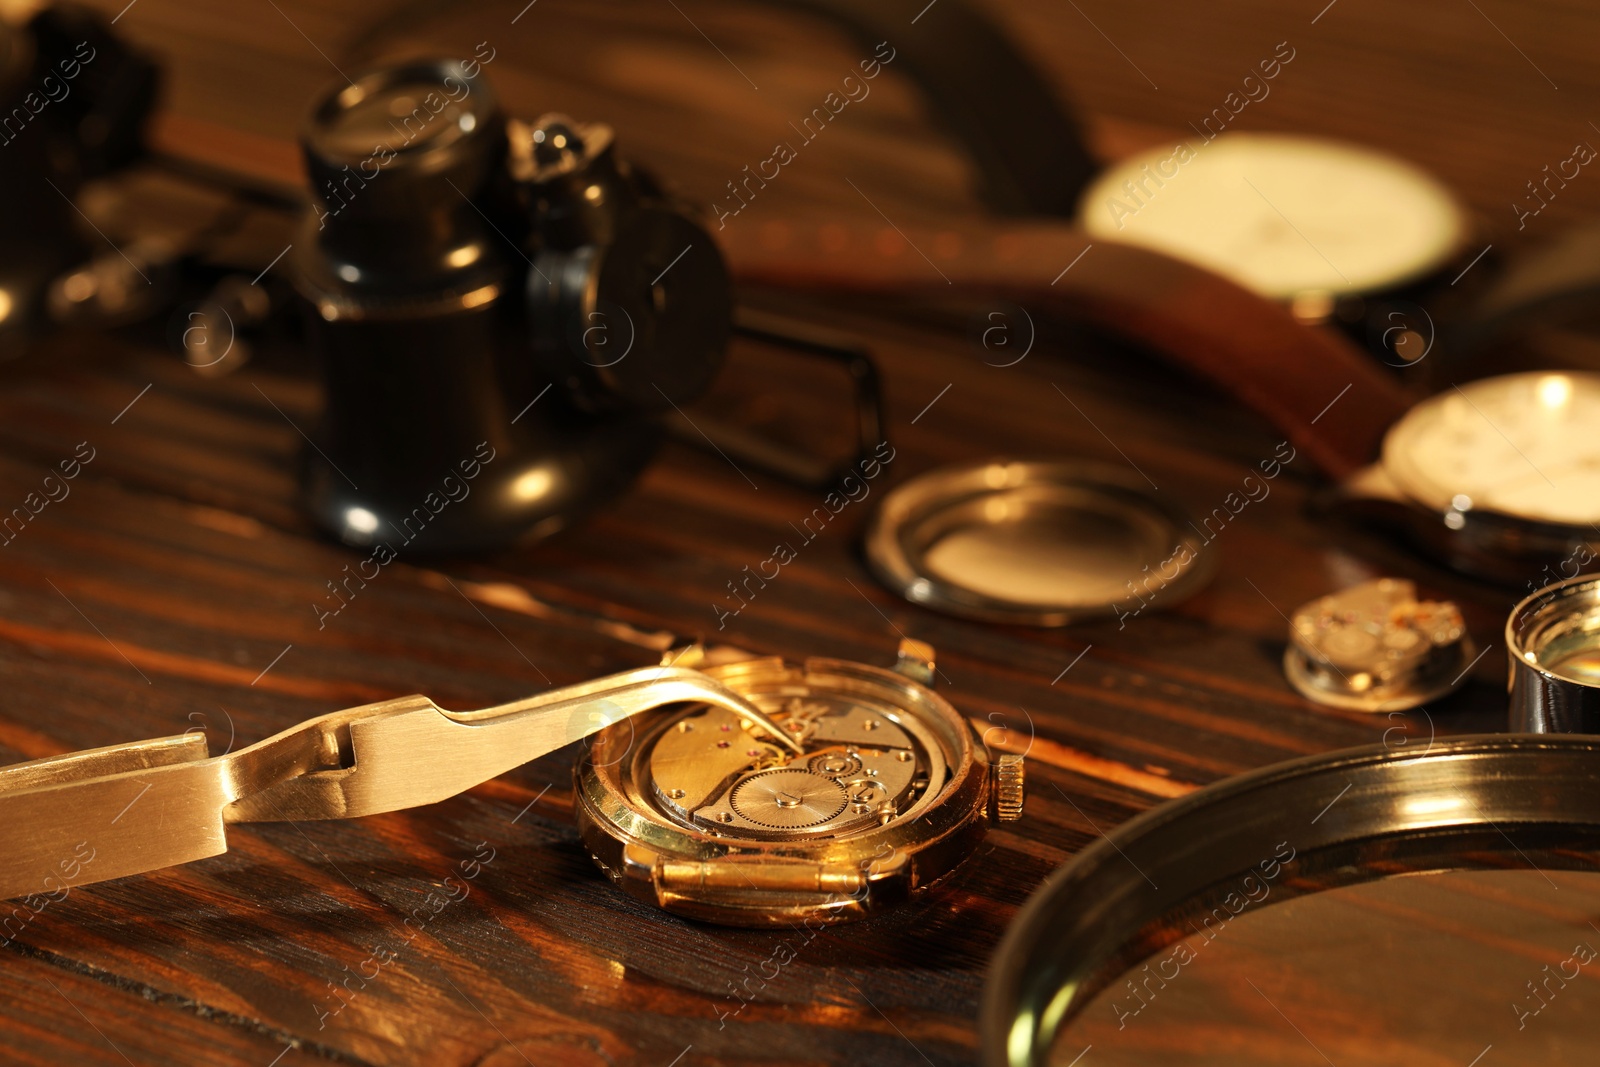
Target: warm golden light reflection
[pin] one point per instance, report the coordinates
(360, 520)
(532, 485)
(1423, 807)
(1555, 390)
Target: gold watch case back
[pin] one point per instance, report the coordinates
(695, 811)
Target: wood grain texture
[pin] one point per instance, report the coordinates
(156, 597)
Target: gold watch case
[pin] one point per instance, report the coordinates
(701, 815)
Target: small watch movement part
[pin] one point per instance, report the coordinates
(1375, 647)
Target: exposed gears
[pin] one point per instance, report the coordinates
(861, 768)
(712, 817)
(788, 799)
(835, 764)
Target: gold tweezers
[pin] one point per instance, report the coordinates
(150, 804)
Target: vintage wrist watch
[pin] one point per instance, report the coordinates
(767, 792)
(1499, 477)
(696, 812)
(1348, 236)
(1339, 233)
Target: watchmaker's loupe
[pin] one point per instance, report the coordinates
(1553, 643)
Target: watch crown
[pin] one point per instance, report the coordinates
(1008, 787)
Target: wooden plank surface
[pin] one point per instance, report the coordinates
(173, 588)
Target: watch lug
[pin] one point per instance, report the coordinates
(639, 862)
(709, 878)
(916, 661)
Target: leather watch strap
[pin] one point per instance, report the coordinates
(1028, 150)
(1327, 396)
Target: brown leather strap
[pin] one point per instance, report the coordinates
(1329, 398)
(1014, 125)
(272, 161)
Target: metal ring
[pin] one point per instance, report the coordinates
(1036, 542)
(1341, 813)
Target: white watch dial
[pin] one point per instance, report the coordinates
(1280, 215)
(1524, 445)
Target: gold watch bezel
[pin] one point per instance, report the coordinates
(746, 882)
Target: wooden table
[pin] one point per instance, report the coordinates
(172, 590)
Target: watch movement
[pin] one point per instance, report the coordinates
(697, 812)
(1377, 647)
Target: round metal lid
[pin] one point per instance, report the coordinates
(1523, 806)
(1037, 542)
